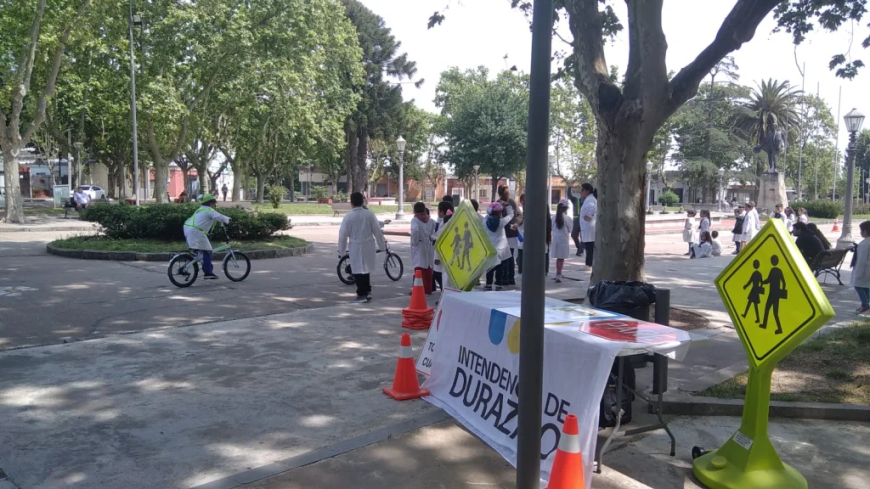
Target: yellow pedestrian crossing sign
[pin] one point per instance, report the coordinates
(464, 247)
(772, 296)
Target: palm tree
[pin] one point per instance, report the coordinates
(771, 97)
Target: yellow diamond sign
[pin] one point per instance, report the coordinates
(464, 247)
(772, 296)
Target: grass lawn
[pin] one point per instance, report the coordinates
(311, 209)
(102, 243)
(832, 368)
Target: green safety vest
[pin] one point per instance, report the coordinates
(191, 221)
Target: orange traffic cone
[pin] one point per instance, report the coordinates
(567, 471)
(418, 314)
(836, 227)
(405, 384)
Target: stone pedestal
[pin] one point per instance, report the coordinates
(771, 192)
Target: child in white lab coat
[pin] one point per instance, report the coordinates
(689, 230)
(717, 245)
(422, 249)
(561, 237)
(445, 212)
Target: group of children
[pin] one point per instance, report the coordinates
(503, 223)
(703, 243)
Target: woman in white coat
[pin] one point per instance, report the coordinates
(562, 226)
(588, 219)
(861, 270)
(422, 248)
(360, 228)
(497, 217)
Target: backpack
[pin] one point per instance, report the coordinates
(609, 410)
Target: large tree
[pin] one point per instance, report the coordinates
(31, 52)
(629, 114)
(380, 102)
(484, 122)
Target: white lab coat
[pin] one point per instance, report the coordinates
(422, 249)
(360, 228)
(703, 250)
(861, 271)
(198, 225)
(436, 262)
(717, 247)
(499, 240)
(82, 198)
(561, 246)
(751, 225)
(587, 229)
(689, 235)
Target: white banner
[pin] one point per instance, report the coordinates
(474, 376)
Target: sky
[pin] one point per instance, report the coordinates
(482, 32)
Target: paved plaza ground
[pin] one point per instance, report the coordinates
(110, 377)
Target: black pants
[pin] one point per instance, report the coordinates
(363, 284)
(575, 235)
(590, 250)
(436, 281)
(508, 270)
(496, 274)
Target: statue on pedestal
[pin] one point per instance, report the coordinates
(773, 143)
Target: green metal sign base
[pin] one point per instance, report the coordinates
(748, 460)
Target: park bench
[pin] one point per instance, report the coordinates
(68, 205)
(339, 207)
(829, 263)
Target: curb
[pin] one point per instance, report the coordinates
(711, 406)
(166, 256)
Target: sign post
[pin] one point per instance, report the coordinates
(775, 304)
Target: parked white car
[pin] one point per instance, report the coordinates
(94, 191)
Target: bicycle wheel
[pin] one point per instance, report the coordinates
(237, 266)
(393, 266)
(343, 270)
(183, 270)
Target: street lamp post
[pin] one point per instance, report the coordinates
(135, 20)
(721, 188)
(854, 121)
(400, 145)
(476, 182)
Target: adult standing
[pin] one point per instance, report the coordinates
(512, 235)
(588, 219)
(360, 228)
(576, 203)
(751, 224)
(861, 269)
(225, 190)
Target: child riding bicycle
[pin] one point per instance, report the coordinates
(196, 229)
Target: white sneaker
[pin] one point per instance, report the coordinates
(559, 278)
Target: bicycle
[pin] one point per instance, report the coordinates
(393, 266)
(184, 267)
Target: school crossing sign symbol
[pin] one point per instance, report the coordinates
(464, 248)
(772, 296)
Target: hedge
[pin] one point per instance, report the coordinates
(825, 209)
(166, 221)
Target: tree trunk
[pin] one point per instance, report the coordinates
(237, 183)
(14, 201)
(350, 156)
(203, 183)
(161, 174)
(619, 234)
(261, 183)
(360, 173)
(494, 195)
(292, 188)
(121, 181)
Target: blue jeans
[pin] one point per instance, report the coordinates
(864, 295)
(206, 263)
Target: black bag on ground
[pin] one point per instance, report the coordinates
(609, 409)
(629, 298)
